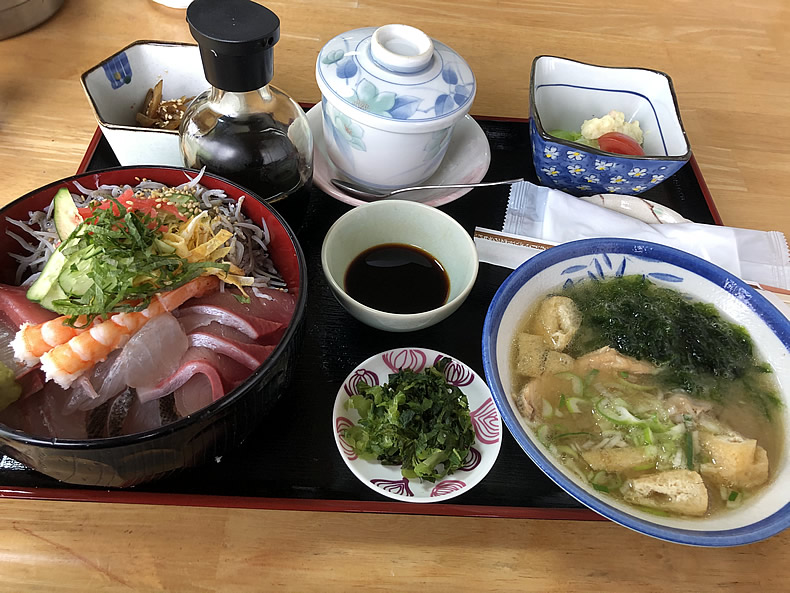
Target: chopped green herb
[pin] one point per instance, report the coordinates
(416, 420)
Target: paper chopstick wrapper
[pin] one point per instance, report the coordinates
(548, 216)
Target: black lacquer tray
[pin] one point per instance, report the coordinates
(291, 461)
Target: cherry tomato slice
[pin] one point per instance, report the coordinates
(620, 144)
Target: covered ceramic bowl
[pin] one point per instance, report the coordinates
(390, 97)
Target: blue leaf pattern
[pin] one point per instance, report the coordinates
(573, 269)
(594, 270)
(347, 68)
(405, 106)
(444, 104)
(665, 277)
(598, 267)
(449, 75)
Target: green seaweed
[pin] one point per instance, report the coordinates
(695, 347)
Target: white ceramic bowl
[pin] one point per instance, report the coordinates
(768, 512)
(564, 93)
(410, 223)
(391, 98)
(116, 89)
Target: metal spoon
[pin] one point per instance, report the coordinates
(357, 191)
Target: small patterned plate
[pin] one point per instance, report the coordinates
(387, 479)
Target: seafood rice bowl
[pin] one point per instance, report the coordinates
(149, 317)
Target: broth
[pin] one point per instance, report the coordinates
(640, 431)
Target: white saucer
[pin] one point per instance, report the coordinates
(466, 161)
(387, 480)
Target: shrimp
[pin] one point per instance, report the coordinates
(34, 340)
(66, 362)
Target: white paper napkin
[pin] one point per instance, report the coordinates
(548, 217)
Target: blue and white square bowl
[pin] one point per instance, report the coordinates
(564, 93)
(589, 260)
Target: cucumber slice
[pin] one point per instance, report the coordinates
(46, 288)
(73, 279)
(65, 214)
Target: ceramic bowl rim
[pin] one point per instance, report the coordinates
(385, 315)
(213, 408)
(774, 319)
(592, 150)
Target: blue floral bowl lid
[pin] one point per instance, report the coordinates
(395, 78)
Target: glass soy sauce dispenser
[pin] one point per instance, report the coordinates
(243, 128)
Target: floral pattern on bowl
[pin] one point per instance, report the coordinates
(387, 480)
(579, 172)
(564, 93)
(346, 67)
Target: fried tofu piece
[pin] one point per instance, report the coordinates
(679, 491)
(735, 462)
(619, 459)
(557, 321)
(534, 357)
(527, 399)
(607, 358)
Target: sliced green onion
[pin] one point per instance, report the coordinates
(577, 385)
(573, 403)
(548, 409)
(567, 450)
(600, 487)
(618, 414)
(543, 434)
(733, 496)
(689, 451)
(623, 380)
(565, 435)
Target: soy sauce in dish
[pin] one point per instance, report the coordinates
(397, 278)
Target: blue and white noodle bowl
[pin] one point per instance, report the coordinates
(763, 515)
(390, 98)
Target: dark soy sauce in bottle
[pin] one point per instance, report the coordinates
(397, 278)
(243, 128)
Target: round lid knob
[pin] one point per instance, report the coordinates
(236, 40)
(401, 48)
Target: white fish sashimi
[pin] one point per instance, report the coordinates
(152, 354)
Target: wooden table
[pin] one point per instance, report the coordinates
(730, 70)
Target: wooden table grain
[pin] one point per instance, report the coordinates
(729, 64)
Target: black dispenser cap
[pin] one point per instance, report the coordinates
(236, 39)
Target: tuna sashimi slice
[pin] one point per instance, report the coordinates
(250, 355)
(274, 305)
(15, 306)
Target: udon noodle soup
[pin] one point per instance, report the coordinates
(648, 397)
(167, 301)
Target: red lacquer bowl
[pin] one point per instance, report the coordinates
(133, 459)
